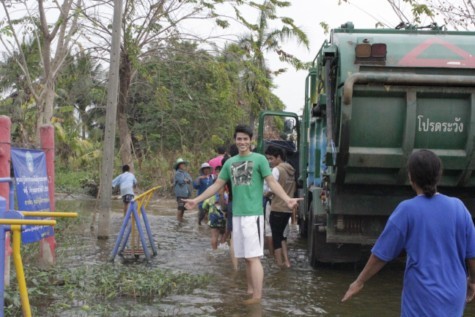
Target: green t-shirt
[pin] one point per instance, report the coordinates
(246, 174)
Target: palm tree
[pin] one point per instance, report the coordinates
(18, 100)
(80, 92)
(260, 40)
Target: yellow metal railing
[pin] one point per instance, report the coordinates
(16, 243)
(16, 227)
(53, 214)
(142, 200)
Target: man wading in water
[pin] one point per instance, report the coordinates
(247, 172)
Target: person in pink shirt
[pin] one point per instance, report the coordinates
(216, 161)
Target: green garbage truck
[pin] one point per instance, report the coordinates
(372, 97)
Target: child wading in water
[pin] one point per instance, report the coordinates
(127, 182)
(217, 220)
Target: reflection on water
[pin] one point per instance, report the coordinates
(298, 291)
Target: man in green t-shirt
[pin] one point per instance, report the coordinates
(247, 172)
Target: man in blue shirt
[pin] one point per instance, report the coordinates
(438, 235)
(127, 182)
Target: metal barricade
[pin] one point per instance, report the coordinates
(132, 225)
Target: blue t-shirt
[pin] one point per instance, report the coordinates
(438, 235)
(201, 184)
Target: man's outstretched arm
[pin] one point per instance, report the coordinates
(210, 191)
(279, 191)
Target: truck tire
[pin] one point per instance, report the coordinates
(320, 251)
(303, 226)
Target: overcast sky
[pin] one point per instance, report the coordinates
(308, 14)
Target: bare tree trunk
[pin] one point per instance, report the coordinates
(46, 105)
(252, 119)
(46, 97)
(105, 189)
(125, 74)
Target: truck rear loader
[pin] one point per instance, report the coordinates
(372, 97)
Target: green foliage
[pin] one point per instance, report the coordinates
(420, 10)
(263, 38)
(222, 23)
(325, 27)
(19, 105)
(97, 287)
(73, 181)
(80, 97)
(181, 99)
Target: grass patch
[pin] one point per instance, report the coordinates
(95, 289)
(98, 288)
(75, 182)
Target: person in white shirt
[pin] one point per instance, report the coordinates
(127, 183)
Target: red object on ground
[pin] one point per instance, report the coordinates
(48, 245)
(47, 145)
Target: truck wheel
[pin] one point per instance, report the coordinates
(316, 240)
(312, 255)
(320, 251)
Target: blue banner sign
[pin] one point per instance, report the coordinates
(32, 191)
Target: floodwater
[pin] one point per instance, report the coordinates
(298, 291)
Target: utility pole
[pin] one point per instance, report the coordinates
(107, 169)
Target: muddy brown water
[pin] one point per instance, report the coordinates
(185, 247)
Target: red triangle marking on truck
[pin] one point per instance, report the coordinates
(467, 59)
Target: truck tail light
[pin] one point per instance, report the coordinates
(366, 53)
(378, 50)
(363, 50)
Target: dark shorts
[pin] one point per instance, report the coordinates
(181, 203)
(278, 221)
(217, 221)
(127, 198)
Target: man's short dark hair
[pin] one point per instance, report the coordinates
(275, 152)
(125, 168)
(242, 128)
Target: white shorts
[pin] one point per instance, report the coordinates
(248, 236)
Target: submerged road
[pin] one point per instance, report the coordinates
(298, 291)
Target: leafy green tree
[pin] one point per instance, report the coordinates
(185, 100)
(78, 120)
(78, 105)
(148, 25)
(81, 94)
(18, 100)
(49, 26)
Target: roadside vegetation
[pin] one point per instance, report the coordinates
(93, 289)
(181, 96)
